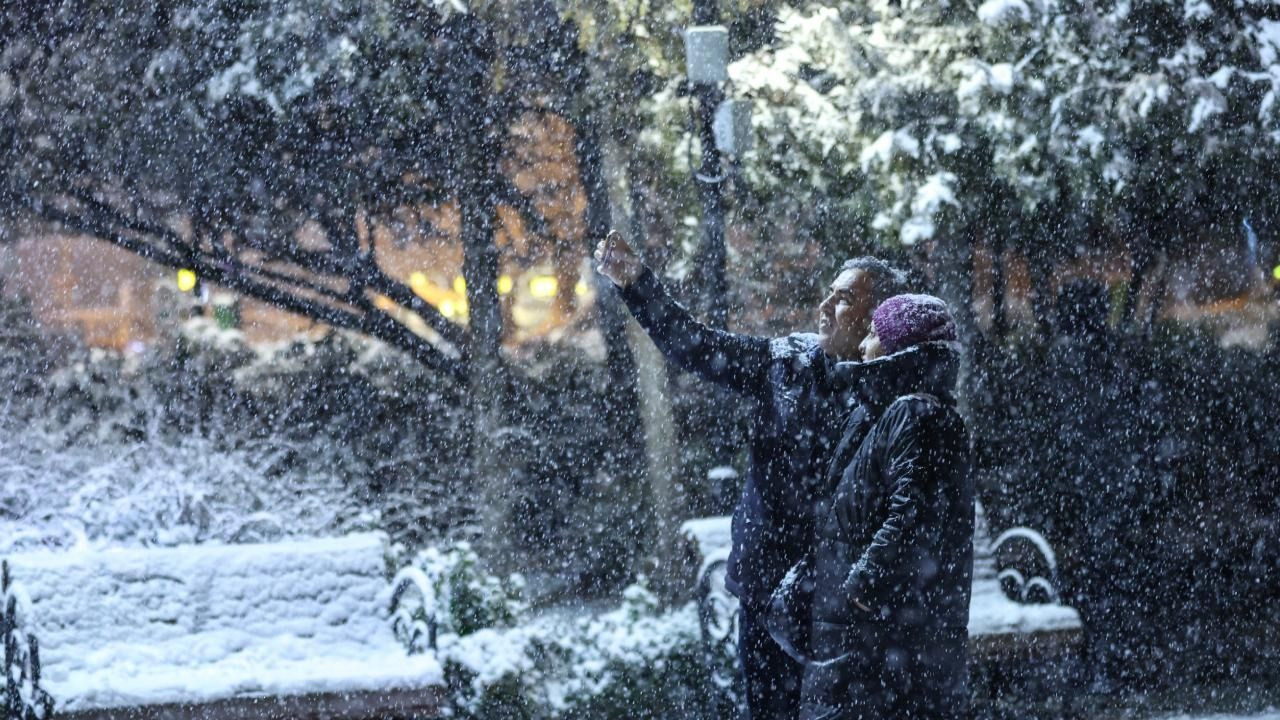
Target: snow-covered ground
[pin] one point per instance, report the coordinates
(1271, 714)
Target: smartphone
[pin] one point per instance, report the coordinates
(609, 242)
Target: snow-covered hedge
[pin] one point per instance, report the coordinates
(186, 491)
(636, 660)
(206, 438)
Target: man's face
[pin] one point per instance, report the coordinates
(845, 315)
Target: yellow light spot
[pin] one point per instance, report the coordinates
(418, 282)
(505, 284)
(446, 308)
(186, 280)
(543, 286)
(580, 289)
(383, 303)
(460, 285)
(1275, 272)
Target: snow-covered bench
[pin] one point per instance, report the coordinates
(299, 628)
(1014, 599)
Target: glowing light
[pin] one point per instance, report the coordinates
(1275, 272)
(418, 282)
(383, 303)
(543, 286)
(580, 289)
(505, 284)
(460, 285)
(447, 309)
(186, 280)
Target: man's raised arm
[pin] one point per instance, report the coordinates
(739, 362)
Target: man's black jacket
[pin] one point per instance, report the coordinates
(796, 424)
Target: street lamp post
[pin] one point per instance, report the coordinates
(706, 59)
(723, 126)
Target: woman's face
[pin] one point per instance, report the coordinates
(870, 346)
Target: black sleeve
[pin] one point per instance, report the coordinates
(739, 362)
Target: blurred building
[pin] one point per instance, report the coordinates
(1210, 285)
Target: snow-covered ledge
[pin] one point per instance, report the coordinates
(289, 625)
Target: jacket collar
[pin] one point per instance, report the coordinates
(829, 379)
(929, 367)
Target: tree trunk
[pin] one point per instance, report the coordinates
(624, 397)
(999, 321)
(486, 379)
(476, 175)
(953, 272)
(1141, 260)
(1158, 291)
(670, 501)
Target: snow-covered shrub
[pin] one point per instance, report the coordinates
(633, 662)
(446, 591)
(165, 449)
(204, 438)
(185, 491)
(25, 351)
(636, 661)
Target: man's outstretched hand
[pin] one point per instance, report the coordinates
(617, 261)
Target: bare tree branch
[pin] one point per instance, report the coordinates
(123, 232)
(361, 271)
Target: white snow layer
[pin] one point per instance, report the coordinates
(998, 12)
(1265, 715)
(890, 144)
(934, 193)
(713, 537)
(712, 534)
(194, 624)
(991, 612)
(1267, 33)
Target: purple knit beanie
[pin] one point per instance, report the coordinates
(905, 320)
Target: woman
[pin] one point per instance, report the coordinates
(893, 557)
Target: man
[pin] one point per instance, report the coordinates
(797, 422)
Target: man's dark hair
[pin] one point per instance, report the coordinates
(886, 280)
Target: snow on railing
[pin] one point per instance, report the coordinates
(1016, 583)
(414, 621)
(24, 698)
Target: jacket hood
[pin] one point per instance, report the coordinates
(929, 367)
